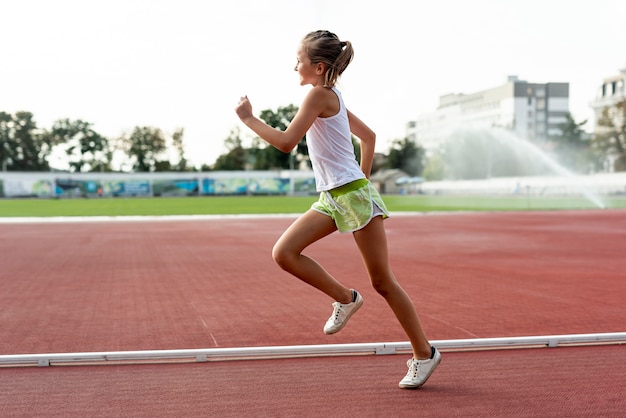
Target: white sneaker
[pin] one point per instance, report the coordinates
(420, 370)
(341, 313)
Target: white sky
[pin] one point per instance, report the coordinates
(184, 63)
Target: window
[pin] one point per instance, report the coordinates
(541, 104)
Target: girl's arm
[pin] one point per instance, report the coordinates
(285, 141)
(367, 139)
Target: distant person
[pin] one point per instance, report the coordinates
(348, 202)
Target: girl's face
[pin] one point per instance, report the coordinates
(309, 73)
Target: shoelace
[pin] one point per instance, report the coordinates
(337, 310)
(414, 367)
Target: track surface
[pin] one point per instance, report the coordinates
(149, 285)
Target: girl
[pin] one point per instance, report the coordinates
(347, 202)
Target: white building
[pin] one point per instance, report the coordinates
(611, 92)
(533, 111)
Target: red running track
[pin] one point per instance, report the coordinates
(149, 285)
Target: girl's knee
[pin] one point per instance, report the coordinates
(281, 256)
(383, 286)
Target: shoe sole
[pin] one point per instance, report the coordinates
(410, 387)
(358, 306)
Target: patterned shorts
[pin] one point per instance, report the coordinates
(352, 206)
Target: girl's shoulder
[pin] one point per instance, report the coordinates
(320, 91)
(326, 99)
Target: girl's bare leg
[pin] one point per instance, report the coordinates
(287, 253)
(372, 243)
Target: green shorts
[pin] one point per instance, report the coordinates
(352, 206)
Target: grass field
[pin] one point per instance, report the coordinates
(277, 204)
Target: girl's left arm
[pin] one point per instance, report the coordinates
(367, 139)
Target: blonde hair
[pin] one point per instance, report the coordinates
(325, 47)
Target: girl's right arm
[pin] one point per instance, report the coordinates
(285, 141)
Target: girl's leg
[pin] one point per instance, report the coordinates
(287, 253)
(372, 243)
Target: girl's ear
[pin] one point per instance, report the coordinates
(320, 68)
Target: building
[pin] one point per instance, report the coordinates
(611, 92)
(386, 181)
(606, 104)
(533, 111)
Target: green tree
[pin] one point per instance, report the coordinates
(23, 147)
(268, 157)
(407, 156)
(145, 146)
(86, 149)
(573, 147)
(6, 125)
(179, 147)
(236, 156)
(610, 137)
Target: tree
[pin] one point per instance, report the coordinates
(610, 137)
(236, 157)
(407, 156)
(179, 148)
(23, 147)
(144, 146)
(572, 147)
(6, 124)
(268, 157)
(86, 149)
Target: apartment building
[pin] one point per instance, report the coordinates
(532, 110)
(611, 92)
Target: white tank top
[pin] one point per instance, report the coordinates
(331, 152)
